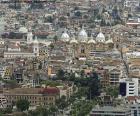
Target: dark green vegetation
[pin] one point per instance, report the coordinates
(22, 105)
(91, 83)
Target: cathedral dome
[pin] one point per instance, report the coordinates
(83, 37)
(23, 30)
(100, 37)
(65, 37)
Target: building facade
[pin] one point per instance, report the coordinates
(36, 96)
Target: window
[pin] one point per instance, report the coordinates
(82, 50)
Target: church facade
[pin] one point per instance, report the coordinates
(82, 46)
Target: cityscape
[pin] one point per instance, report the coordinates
(69, 57)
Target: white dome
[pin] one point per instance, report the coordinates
(65, 37)
(91, 41)
(23, 30)
(100, 37)
(83, 37)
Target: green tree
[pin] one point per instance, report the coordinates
(62, 103)
(94, 86)
(53, 109)
(103, 22)
(51, 46)
(55, 38)
(129, 15)
(82, 73)
(60, 74)
(76, 8)
(22, 105)
(112, 91)
(50, 19)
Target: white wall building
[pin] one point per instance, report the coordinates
(131, 86)
(131, 3)
(18, 54)
(3, 101)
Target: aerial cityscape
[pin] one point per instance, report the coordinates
(69, 57)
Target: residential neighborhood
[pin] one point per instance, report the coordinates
(69, 58)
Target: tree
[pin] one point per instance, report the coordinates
(129, 15)
(60, 74)
(94, 86)
(103, 22)
(55, 38)
(51, 46)
(53, 109)
(50, 19)
(62, 103)
(113, 91)
(76, 8)
(40, 111)
(82, 73)
(22, 105)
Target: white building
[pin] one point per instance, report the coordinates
(135, 109)
(18, 54)
(131, 3)
(2, 71)
(131, 86)
(3, 101)
(133, 55)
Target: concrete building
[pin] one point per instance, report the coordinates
(129, 87)
(110, 111)
(135, 109)
(36, 96)
(66, 90)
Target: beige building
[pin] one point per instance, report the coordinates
(66, 90)
(82, 46)
(36, 96)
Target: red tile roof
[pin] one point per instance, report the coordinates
(50, 90)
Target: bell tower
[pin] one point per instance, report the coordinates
(29, 37)
(36, 47)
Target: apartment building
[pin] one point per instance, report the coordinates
(129, 87)
(110, 111)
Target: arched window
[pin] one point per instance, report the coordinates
(82, 50)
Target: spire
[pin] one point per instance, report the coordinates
(65, 30)
(100, 29)
(36, 41)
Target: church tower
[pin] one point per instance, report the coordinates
(36, 47)
(29, 37)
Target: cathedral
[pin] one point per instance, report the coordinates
(83, 46)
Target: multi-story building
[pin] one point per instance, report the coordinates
(114, 76)
(130, 3)
(66, 90)
(110, 111)
(129, 87)
(135, 109)
(36, 96)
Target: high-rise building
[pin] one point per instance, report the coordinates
(129, 87)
